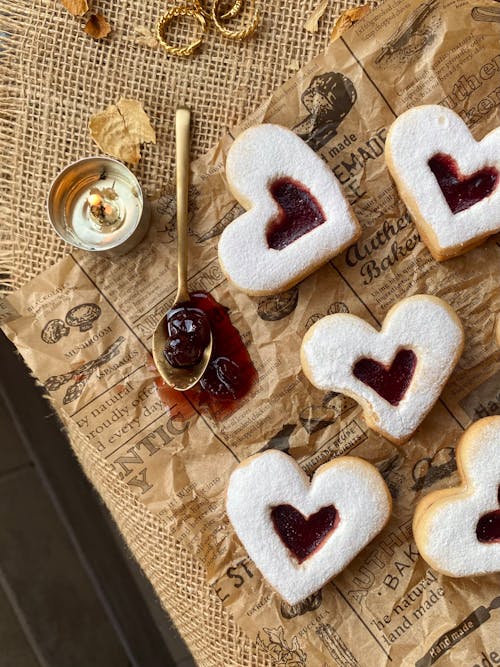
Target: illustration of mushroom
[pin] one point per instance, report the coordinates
(82, 373)
(53, 331)
(83, 316)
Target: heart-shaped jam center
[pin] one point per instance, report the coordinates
(389, 382)
(462, 192)
(488, 526)
(303, 535)
(299, 213)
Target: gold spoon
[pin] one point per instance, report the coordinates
(185, 377)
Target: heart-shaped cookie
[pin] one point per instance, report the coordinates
(300, 534)
(396, 374)
(298, 217)
(457, 531)
(449, 181)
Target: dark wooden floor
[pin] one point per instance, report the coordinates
(70, 594)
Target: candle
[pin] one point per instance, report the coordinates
(97, 204)
(102, 211)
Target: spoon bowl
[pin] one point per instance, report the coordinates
(185, 376)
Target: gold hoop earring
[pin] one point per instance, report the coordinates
(167, 18)
(233, 11)
(234, 34)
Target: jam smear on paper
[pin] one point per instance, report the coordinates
(304, 535)
(460, 191)
(389, 382)
(299, 213)
(488, 526)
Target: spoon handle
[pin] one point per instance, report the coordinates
(182, 131)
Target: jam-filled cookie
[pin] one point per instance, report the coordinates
(397, 373)
(457, 531)
(299, 533)
(449, 182)
(297, 217)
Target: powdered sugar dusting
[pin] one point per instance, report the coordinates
(414, 138)
(424, 324)
(445, 529)
(260, 156)
(354, 487)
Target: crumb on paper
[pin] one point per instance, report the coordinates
(294, 65)
(76, 7)
(121, 128)
(144, 37)
(97, 26)
(313, 21)
(347, 19)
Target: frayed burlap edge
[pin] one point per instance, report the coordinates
(11, 39)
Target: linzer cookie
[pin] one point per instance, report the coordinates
(300, 534)
(297, 217)
(447, 179)
(457, 530)
(396, 374)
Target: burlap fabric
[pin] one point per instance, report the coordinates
(53, 77)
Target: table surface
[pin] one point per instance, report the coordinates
(63, 565)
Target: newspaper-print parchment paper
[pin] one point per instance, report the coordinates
(388, 606)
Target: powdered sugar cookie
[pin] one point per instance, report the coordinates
(396, 374)
(300, 534)
(457, 531)
(298, 217)
(448, 180)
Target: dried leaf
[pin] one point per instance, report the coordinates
(76, 7)
(121, 128)
(97, 26)
(312, 22)
(347, 19)
(145, 37)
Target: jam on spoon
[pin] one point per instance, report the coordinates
(299, 213)
(389, 382)
(460, 191)
(230, 373)
(188, 334)
(304, 535)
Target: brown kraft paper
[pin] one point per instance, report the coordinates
(388, 606)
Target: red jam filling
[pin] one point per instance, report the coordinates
(462, 192)
(304, 535)
(488, 526)
(299, 213)
(389, 382)
(188, 332)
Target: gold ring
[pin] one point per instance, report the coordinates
(234, 34)
(167, 18)
(233, 11)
